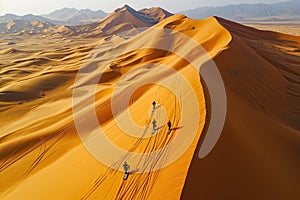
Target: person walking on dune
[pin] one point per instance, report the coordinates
(169, 126)
(126, 167)
(126, 170)
(153, 106)
(154, 125)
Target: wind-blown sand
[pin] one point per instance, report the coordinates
(42, 157)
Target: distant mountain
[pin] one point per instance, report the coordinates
(65, 16)
(122, 19)
(140, 18)
(278, 11)
(8, 17)
(158, 14)
(72, 16)
(19, 26)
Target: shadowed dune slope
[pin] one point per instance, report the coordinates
(257, 155)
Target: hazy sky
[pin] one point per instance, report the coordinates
(22, 7)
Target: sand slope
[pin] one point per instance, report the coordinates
(257, 154)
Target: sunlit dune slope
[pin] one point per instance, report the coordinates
(257, 156)
(41, 154)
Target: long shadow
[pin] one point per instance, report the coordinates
(134, 171)
(177, 128)
(157, 107)
(157, 129)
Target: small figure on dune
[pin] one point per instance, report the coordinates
(154, 125)
(126, 167)
(169, 126)
(126, 170)
(153, 106)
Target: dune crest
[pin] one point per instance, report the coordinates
(256, 156)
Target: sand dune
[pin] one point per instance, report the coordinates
(42, 156)
(256, 157)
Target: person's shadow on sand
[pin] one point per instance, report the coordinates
(157, 129)
(134, 171)
(176, 128)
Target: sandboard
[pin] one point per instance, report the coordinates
(125, 176)
(153, 131)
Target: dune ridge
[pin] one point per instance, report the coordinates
(259, 145)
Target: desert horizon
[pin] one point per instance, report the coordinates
(150, 104)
